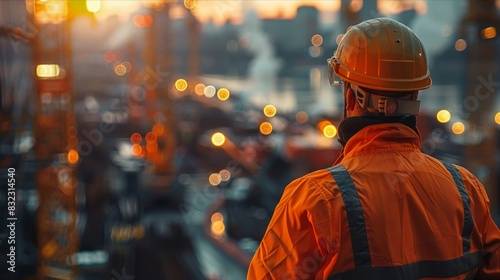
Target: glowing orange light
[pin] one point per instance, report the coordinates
(199, 89)
(214, 179)
(139, 21)
(152, 147)
(223, 94)
(266, 128)
(73, 156)
(458, 128)
(50, 11)
(136, 150)
(489, 33)
(356, 5)
(497, 118)
(158, 129)
(322, 124)
(218, 228)
(150, 137)
(148, 20)
(189, 4)
(135, 138)
(120, 69)
(181, 85)
(217, 216)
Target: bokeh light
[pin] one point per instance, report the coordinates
(93, 6)
(136, 138)
(120, 69)
(323, 124)
(269, 111)
(214, 179)
(158, 129)
(189, 4)
(443, 116)
(330, 131)
(339, 38)
(48, 70)
(181, 85)
(217, 216)
(315, 51)
(489, 33)
(50, 11)
(266, 128)
(317, 40)
(223, 94)
(218, 139)
(225, 175)
(458, 128)
(301, 117)
(142, 21)
(497, 118)
(460, 45)
(218, 228)
(446, 30)
(210, 91)
(199, 89)
(136, 150)
(73, 156)
(150, 137)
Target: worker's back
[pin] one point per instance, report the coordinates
(385, 211)
(413, 210)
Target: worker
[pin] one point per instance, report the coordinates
(384, 210)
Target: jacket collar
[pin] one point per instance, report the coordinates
(357, 134)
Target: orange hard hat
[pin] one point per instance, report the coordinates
(381, 54)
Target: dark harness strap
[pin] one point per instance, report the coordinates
(422, 269)
(416, 270)
(355, 216)
(468, 222)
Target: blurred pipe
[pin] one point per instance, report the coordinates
(231, 149)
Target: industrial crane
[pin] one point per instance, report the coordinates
(56, 139)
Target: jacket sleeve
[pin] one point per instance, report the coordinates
(490, 268)
(299, 239)
(488, 229)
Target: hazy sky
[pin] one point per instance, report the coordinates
(219, 11)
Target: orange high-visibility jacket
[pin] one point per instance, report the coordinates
(385, 211)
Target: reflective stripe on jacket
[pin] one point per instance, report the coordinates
(406, 216)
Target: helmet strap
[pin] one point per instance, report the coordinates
(389, 106)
